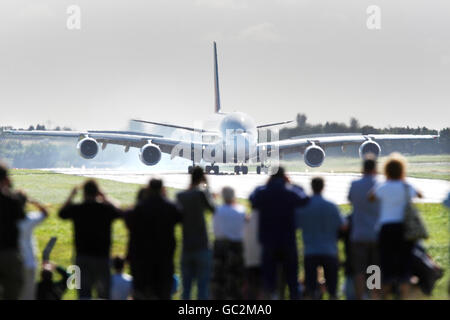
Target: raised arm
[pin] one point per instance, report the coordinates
(40, 207)
(64, 212)
(72, 195)
(209, 202)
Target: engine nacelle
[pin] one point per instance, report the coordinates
(369, 147)
(314, 156)
(88, 148)
(150, 154)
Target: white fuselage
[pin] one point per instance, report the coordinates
(235, 141)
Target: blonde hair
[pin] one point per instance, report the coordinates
(395, 167)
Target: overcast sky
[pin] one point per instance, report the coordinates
(153, 60)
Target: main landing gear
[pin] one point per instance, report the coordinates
(262, 168)
(214, 169)
(238, 169)
(208, 169)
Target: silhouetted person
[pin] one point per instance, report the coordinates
(320, 222)
(349, 284)
(363, 236)
(140, 196)
(228, 271)
(28, 246)
(447, 204)
(11, 265)
(152, 243)
(121, 283)
(252, 258)
(47, 289)
(395, 251)
(276, 203)
(92, 221)
(196, 254)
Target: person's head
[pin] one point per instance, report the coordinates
(118, 264)
(279, 174)
(395, 167)
(197, 176)
(228, 195)
(317, 185)
(155, 186)
(370, 164)
(4, 179)
(90, 190)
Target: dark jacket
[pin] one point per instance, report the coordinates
(276, 203)
(193, 204)
(11, 211)
(92, 227)
(151, 225)
(52, 290)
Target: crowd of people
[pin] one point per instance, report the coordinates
(254, 255)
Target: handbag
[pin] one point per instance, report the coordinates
(414, 226)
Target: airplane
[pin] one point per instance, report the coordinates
(234, 139)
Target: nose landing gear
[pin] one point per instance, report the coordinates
(213, 168)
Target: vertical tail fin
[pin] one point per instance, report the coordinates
(216, 81)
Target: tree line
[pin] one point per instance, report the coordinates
(38, 153)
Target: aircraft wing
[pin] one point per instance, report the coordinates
(273, 124)
(288, 146)
(168, 125)
(125, 138)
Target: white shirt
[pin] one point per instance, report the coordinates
(229, 222)
(27, 243)
(252, 248)
(393, 201)
(121, 286)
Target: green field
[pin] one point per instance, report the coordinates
(52, 189)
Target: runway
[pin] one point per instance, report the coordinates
(336, 187)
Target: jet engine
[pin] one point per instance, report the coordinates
(369, 147)
(150, 154)
(314, 156)
(88, 148)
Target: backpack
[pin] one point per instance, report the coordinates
(424, 268)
